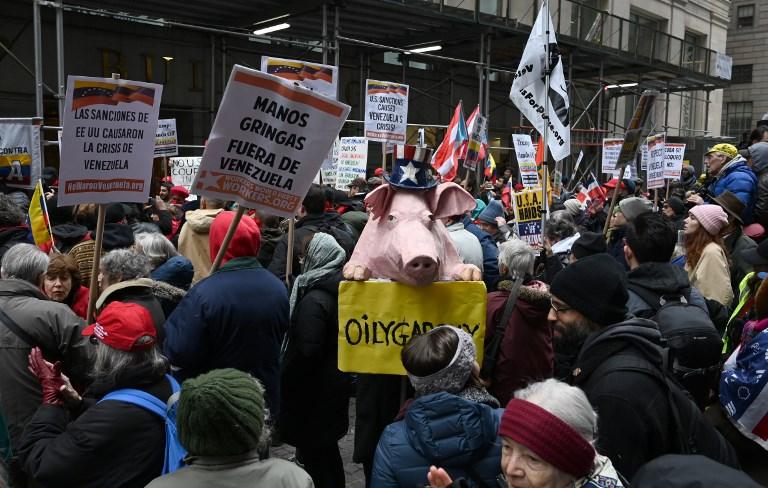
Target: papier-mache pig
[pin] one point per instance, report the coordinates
(405, 240)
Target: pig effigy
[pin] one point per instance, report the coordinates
(405, 240)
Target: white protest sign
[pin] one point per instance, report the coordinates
(108, 140)
(477, 133)
(184, 170)
(353, 158)
(328, 168)
(320, 78)
(20, 155)
(673, 159)
(655, 172)
(611, 150)
(526, 159)
(386, 111)
(268, 142)
(166, 141)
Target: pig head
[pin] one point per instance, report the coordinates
(406, 241)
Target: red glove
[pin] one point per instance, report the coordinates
(49, 376)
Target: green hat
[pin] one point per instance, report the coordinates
(220, 413)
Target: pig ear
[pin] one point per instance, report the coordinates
(450, 199)
(379, 200)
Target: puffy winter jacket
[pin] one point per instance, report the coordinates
(739, 179)
(442, 430)
(193, 240)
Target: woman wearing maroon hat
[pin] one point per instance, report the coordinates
(547, 435)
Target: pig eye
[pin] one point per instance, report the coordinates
(431, 217)
(391, 218)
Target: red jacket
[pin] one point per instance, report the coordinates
(79, 303)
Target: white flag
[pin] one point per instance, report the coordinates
(529, 87)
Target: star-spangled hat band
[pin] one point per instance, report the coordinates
(410, 170)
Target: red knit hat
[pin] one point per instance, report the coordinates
(245, 242)
(549, 437)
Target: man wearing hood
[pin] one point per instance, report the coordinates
(729, 171)
(193, 238)
(758, 154)
(234, 318)
(620, 366)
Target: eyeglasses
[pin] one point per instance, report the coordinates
(558, 308)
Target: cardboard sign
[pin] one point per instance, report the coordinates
(611, 149)
(20, 155)
(377, 318)
(638, 126)
(320, 78)
(268, 142)
(166, 141)
(655, 175)
(184, 171)
(526, 159)
(352, 161)
(528, 207)
(386, 111)
(673, 159)
(108, 140)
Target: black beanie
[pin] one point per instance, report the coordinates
(594, 286)
(587, 244)
(676, 205)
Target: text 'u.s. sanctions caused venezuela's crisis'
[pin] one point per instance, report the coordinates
(268, 142)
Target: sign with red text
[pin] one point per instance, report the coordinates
(386, 111)
(268, 141)
(674, 153)
(352, 161)
(108, 140)
(655, 169)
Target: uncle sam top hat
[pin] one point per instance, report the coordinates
(410, 170)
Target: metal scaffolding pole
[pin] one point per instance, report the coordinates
(706, 113)
(325, 34)
(38, 58)
(487, 76)
(223, 62)
(213, 79)
(60, 59)
(336, 44)
(480, 69)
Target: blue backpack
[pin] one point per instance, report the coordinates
(174, 452)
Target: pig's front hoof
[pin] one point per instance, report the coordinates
(356, 272)
(468, 272)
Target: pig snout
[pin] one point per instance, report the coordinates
(422, 270)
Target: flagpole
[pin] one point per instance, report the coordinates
(547, 66)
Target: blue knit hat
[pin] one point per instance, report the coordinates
(490, 212)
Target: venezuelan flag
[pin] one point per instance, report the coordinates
(39, 224)
(490, 166)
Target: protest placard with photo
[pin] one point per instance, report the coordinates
(386, 111)
(166, 140)
(525, 151)
(20, 155)
(108, 140)
(268, 142)
(320, 78)
(372, 333)
(351, 162)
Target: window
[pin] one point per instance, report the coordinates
(741, 73)
(745, 15)
(738, 118)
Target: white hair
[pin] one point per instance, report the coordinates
(125, 264)
(517, 256)
(156, 247)
(568, 403)
(24, 262)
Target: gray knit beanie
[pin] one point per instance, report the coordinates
(221, 413)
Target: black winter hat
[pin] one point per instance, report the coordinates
(690, 471)
(594, 286)
(587, 244)
(677, 205)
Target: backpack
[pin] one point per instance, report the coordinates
(342, 235)
(691, 432)
(174, 451)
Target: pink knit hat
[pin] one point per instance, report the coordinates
(712, 217)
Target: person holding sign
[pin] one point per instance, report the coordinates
(452, 421)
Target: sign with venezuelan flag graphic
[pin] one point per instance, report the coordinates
(320, 78)
(20, 154)
(108, 140)
(386, 111)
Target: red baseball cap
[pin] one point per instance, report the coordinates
(378, 172)
(121, 324)
(613, 182)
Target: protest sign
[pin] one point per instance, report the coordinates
(352, 161)
(673, 159)
(477, 134)
(320, 78)
(638, 126)
(267, 143)
(372, 332)
(328, 168)
(183, 171)
(526, 159)
(611, 149)
(108, 140)
(655, 175)
(166, 141)
(20, 155)
(386, 111)
(528, 207)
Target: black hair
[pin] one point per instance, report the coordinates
(429, 353)
(652, 238)
(314, 202)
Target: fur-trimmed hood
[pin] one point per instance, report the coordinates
(528, 293)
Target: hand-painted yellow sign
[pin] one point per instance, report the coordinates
(377, 318)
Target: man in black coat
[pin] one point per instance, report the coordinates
(620, 364)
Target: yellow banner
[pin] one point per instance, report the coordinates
(377, 318)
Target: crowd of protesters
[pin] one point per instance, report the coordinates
(626, 358)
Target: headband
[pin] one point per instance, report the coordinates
(549, 437)
(454, 376)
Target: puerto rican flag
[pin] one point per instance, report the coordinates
(446, 158)
(591, 190)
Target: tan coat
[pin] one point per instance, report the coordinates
(711, 275)
(193, 240)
